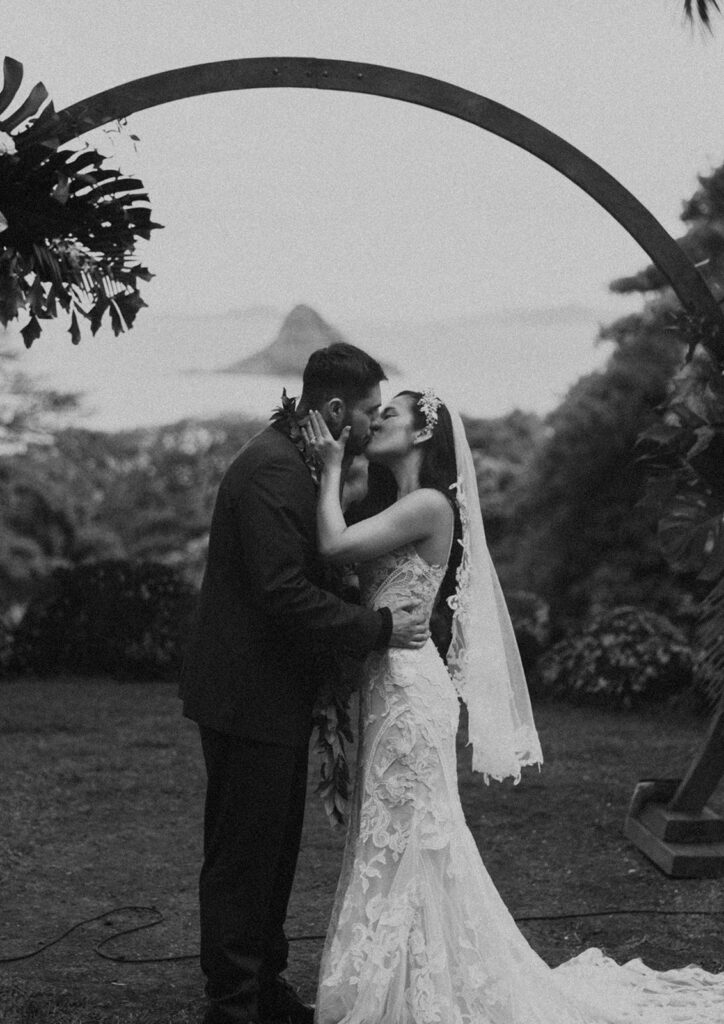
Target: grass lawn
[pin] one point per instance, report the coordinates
(101, 806)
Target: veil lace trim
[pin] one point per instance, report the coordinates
(483, 659)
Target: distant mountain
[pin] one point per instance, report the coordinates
(302, 332)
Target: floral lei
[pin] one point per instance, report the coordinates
(285, 416)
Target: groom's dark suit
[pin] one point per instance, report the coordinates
(249, 680)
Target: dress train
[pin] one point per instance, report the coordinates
(419, 933)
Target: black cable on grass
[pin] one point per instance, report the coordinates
(159, 917)
(88, 920)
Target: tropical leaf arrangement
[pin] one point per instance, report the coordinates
(69, 225)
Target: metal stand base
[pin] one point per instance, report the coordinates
(682, 844)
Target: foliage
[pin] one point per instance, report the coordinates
(709, 651)
(69, 225)
(575, 528)
(620, 659)
(34, 522)
(122, 618)
(6, 648)
(142, 495)
(530, 616)
(603, 519)
(685, 455)
(684, 450)
(29, 414)
(701, 9)
(503, 449)
(332, 725)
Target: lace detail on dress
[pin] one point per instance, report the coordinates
(419, 934)
(399, 575)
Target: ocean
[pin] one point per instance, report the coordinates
(168, 367)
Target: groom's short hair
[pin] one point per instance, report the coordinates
(340, 370)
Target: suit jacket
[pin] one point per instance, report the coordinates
(252, 664)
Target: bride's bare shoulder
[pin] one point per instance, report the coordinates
(430, 501)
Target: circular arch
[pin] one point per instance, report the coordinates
(393, 83)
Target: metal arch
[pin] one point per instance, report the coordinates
(376, 80)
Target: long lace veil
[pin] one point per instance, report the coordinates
(483, 658)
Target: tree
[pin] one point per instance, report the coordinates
(685, 448)
(578, 539)
(503, 449)
(34, 523)
(638, 443)
(29, 414)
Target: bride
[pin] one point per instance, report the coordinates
(419, 934)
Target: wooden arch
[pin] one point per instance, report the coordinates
(668, 820)
(375, 80)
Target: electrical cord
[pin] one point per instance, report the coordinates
(88, 920)
(159, 917)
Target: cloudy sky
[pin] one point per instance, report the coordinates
(368, 208)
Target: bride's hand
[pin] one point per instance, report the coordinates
(319, 440)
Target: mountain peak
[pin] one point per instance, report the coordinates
(302, 332)
(302, 312)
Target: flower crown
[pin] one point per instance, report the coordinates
(429, 403)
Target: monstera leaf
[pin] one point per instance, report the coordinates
(71, 224)
(692, 535)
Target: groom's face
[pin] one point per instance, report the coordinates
(361, 416)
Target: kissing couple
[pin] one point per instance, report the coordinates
(418, 933)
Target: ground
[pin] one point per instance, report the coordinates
(101, 805)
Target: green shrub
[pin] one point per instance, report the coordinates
(622, 658)
(123, 618)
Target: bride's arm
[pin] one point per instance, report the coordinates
(413, 518)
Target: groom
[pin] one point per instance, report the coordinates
(250, 675)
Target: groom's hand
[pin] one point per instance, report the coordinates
(409, 625)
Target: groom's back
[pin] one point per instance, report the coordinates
(244, 673)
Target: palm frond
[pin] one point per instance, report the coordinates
(701, 9)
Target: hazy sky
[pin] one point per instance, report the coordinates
(366, 206)
(371, 209)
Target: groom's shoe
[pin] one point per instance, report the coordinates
(281, 1004)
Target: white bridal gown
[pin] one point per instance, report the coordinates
(419, 934)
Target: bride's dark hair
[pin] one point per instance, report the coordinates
(439, 471)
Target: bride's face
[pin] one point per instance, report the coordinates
(395, 432)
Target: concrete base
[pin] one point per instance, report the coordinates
(681, 827)
(678, 860)
(682, 844)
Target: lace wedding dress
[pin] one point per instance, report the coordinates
(419, 934)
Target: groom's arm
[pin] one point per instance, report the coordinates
(276, 527)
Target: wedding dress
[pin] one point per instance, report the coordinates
(419, 934)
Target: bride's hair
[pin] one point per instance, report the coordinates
(439, 471)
